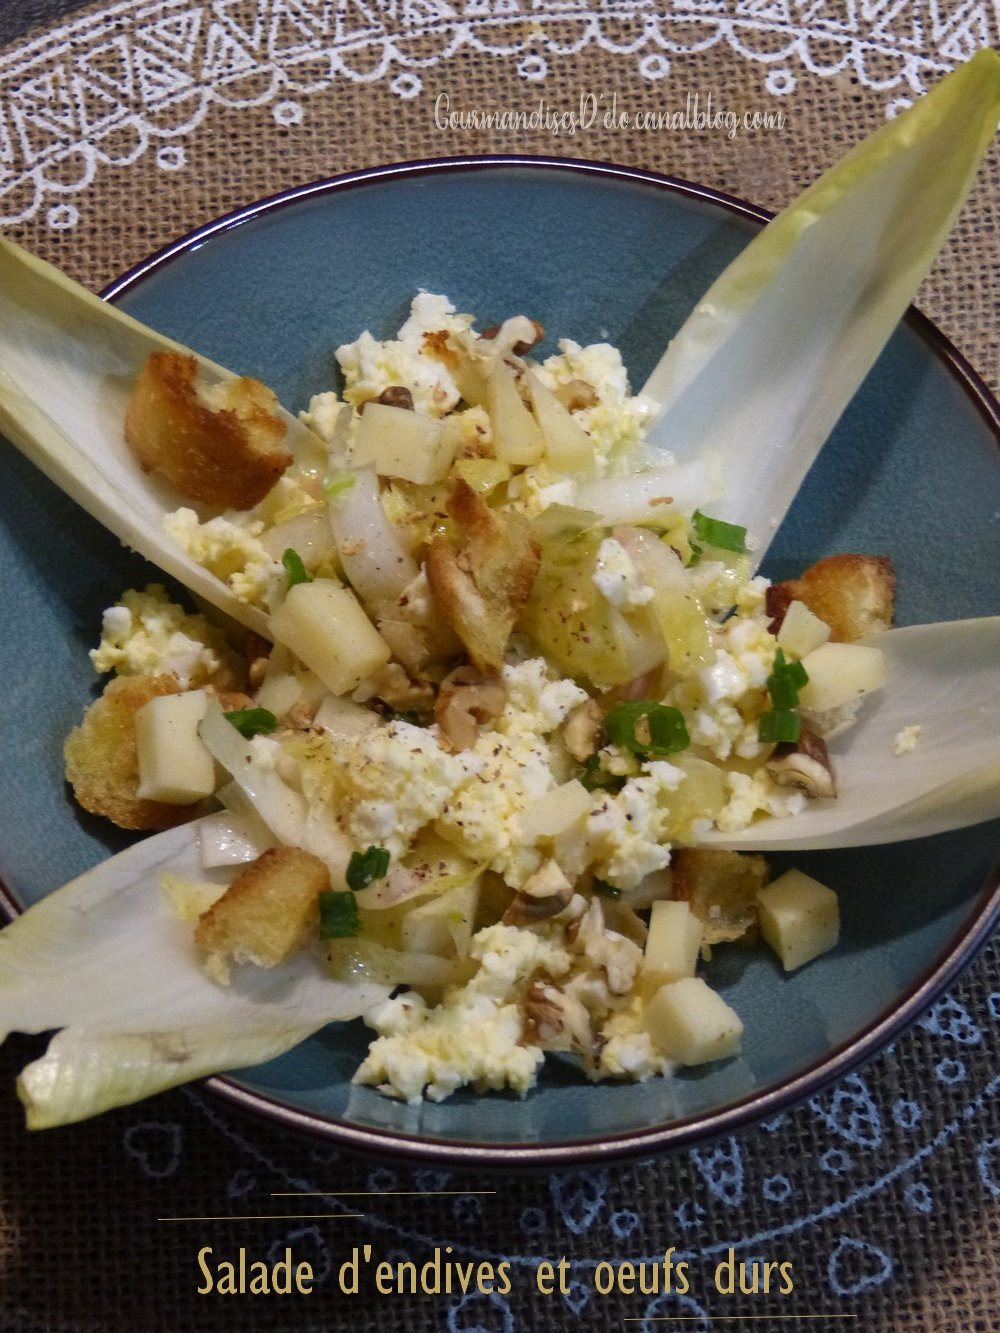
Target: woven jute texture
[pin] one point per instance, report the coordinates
(883, 1193)
(240, 153)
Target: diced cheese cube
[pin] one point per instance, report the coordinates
(554, 812)
(673, 941)
(174, 765)
(839, 673)
(802, 630)
(326, 626)
(692, 1023)
(799, 918)
(402, 443)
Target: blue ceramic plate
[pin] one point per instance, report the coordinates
(595, 253)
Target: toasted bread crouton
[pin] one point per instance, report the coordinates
(721, 888)
(853, 594)
(481, 587)
(265, 914)
(222, 447)
(101, 761)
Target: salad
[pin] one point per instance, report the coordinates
(518, 672)
(518, 685)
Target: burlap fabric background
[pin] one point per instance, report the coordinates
(123, 126)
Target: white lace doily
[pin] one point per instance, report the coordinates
(137, 77)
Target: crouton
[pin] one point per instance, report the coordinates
(221, 447)
(482, 585)
(853, 594)
(265, 914)
(721, 889)
(102, 765)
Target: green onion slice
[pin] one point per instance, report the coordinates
(595, 777)
(779, 725)
(250, 722)
(716, 532)
(605, 890)
(297, 572)
(338, 914)
(643, 726)
(365, 867)
(785, 681)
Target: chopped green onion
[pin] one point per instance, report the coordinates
(337, 484)
(716, 532)
(364, 867)
(338, 914)
(595, 777)
(605, 890)
(250, 722)
(779, 725)
(297, 572)
(783, 691)
(794, 670)
(663, 725)
(785, 681)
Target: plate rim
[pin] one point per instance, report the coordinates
(959, 952)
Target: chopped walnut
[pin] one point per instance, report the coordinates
(396, 690)
(257, 651)
(542, 1014)
(467, 698)
(544, 895)
(395, 395)
(582, 731)
(576, 395)
(804, 763)
(518, 335)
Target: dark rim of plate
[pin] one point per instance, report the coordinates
(768, 1101)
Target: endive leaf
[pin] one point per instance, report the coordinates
(943, 678)
(776, 348)
(105, 960)
(68, 361)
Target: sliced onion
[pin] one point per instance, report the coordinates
(376, 562)
(643, 497)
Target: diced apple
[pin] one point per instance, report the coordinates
(802, 631)
(692, 1023)
(326, 626)
(403, 443)
(799, 918)
(174, 765)
(568, 447)
(516, 436)
(673, 942)
(555, 811)
(839, 673)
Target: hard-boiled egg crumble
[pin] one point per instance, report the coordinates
(496, 722)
